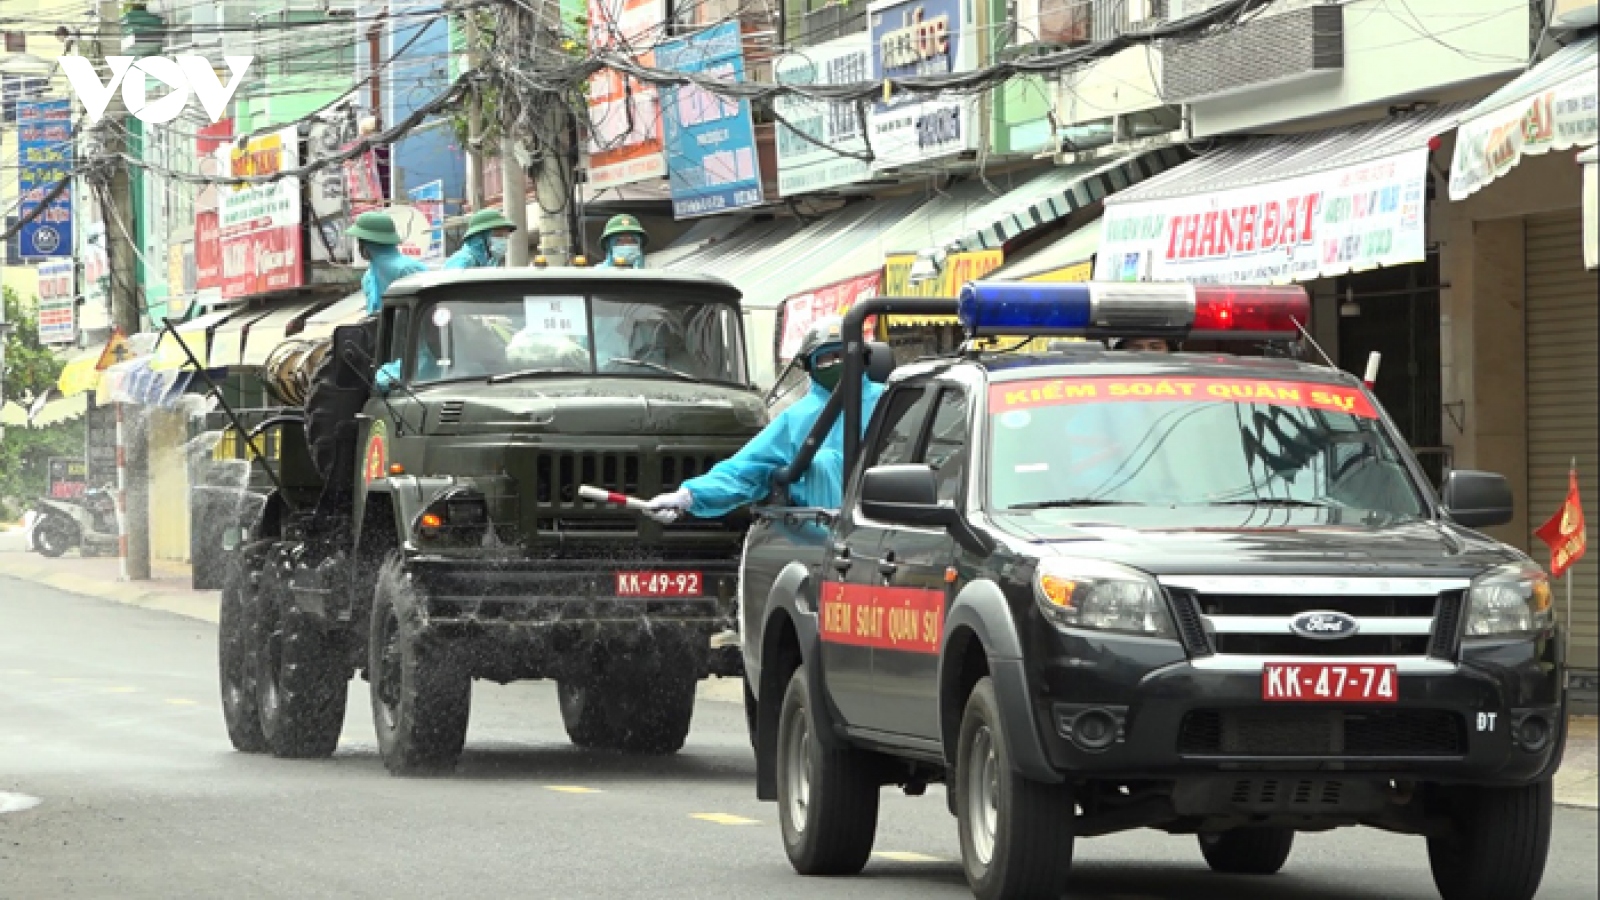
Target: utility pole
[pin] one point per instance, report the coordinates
(474, 115)
(546, 124)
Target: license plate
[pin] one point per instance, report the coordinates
(659, 584)
(1330, 682)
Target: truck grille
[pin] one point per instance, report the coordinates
(1322, 732)
(558, 510)
(559, 474)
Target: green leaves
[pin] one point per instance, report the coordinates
(31, 370)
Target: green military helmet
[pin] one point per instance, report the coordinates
(487, 220)
(624, 224)
(375, 227)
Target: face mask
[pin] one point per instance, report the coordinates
(828, 375)
(498, 247)
(626, 254)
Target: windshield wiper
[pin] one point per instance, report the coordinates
(646, 364)
(528, 373)
(1276, 501)
(1071, 503)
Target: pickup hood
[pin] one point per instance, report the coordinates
(591, 405)
(1260, 541)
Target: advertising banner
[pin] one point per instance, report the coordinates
(428, 199)
(1560, 117)
(57, 295)
(327, 190)
(913, 38)
(44, 156)
(207, 250)
(834, 129)
(261, 233)
(710, 140)
(624, 114)
(959, 268)
(69, 476)
(797, 313)
(1296, 229)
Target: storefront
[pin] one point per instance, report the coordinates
(1521, 314)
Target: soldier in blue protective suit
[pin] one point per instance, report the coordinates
(378, 242)
(746, 476)
(485, 242)
(623, 243)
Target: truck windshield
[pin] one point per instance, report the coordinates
(1187, 442)
(598, 335)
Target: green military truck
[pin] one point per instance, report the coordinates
(426, 527)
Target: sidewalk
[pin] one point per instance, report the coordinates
(1577, 783)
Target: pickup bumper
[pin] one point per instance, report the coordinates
(1495, 717)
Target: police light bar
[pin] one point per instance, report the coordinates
(1135, 309)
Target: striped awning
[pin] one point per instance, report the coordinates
(196, 335)
(348, 311)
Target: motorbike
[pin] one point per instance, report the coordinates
(89, 523)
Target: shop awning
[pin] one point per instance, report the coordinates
(1066, 259)
(82, 371)
(266, 333)
(169, 355)
(1552, 106)
(1271, 210)
(348, 311)
(227, 338)
(700, 235)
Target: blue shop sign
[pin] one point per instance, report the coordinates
(710, 140)
(44, 154)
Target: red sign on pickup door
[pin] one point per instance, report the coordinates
(885, 618)
(1330, 682)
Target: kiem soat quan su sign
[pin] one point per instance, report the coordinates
(710, 139)
(1045, 392)
(261, 229)
(1295, 229)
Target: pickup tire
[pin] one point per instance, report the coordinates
(1248, 851)
(827, 799)
(1500, 843)
(302, 680)
(1016, 834)
(235, 651)
(421, 692)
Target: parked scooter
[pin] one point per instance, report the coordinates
(89, 523)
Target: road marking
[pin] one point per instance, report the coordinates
(10, 803)
(902, 856)
(570, 789)
(723, 819)
(178, 701)
(122, 690)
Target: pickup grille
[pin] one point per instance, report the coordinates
(1322, 732)
(1390, 625)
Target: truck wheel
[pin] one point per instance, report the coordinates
(827, 799)
(234, 646)
(301, 678)
(584, 713)
(632, 711)
(1016, 834)
(421, 694)
(1247, 851)
(1501, 841)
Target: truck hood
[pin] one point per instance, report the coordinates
(1234, 541)
(591, 405)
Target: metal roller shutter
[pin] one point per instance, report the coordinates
(1563, 346)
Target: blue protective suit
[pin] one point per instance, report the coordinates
(385, 265)
(474, 254)
(746, 476)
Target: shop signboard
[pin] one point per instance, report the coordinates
(624, 113)
(959, 268)
(913, 38)
(57, 302)
(44, 156)
(710, 140)
(207, 224)
(1560, 117)
(428, 199)
(799, 312)
(816, 138)
(327, 189)
(1295, 229)
(261, 231)
(68, 477)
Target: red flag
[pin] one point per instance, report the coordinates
(1565, 532)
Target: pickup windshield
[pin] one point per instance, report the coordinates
(539, 335)
(1193, 442)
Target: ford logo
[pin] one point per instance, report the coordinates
(1324, 626)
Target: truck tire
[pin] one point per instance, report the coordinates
(302, 680)
(421, 693)
(633, 709)
(1016, 834)
(1248, 851)
(827, 799)
(235, 666)
(1500, 844)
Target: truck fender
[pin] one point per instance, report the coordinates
(790, 603)
(980, 613)
(410, 495)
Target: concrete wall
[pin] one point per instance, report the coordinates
(1481, 328)
(169, 481)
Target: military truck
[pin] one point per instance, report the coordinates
(426, 528)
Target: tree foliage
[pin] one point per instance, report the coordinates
(31, 370)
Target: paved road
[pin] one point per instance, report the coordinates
(109, 718)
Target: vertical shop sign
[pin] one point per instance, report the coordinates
(710, 140)
(44, 155)
(428, 199)
(624, 113)
(262, 237)
(57, 295)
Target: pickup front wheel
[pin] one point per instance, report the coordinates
(827, 799)
(1500, 842)
(1016, 834)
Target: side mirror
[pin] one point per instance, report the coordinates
(904, 495)
(1478, 499)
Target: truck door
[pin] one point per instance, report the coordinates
(853, 619)
(913, 564)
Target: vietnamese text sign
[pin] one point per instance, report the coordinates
(1042, 392)
(69, 477)
(834, 129)
(57, 294)
(1295, 229)
(1559, 118)
(428, 199)
(797, 313)
(44, 156)
(959, 268)
(710, 140)
(624, 115)
(261, 233)
(913, 38)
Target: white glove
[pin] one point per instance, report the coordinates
(666, 508)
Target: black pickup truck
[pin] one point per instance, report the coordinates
(1091, 591)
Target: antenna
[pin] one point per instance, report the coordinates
(1307, 335)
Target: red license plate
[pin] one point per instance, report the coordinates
(659, 584)
(1330, 682)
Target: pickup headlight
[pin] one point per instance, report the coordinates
(1094, 594)
(1510, 600)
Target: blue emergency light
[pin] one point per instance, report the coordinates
(1133, 309)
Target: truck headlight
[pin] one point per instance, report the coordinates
(1093, 594)
(1509, 600)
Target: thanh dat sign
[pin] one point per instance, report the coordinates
(180, 73)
